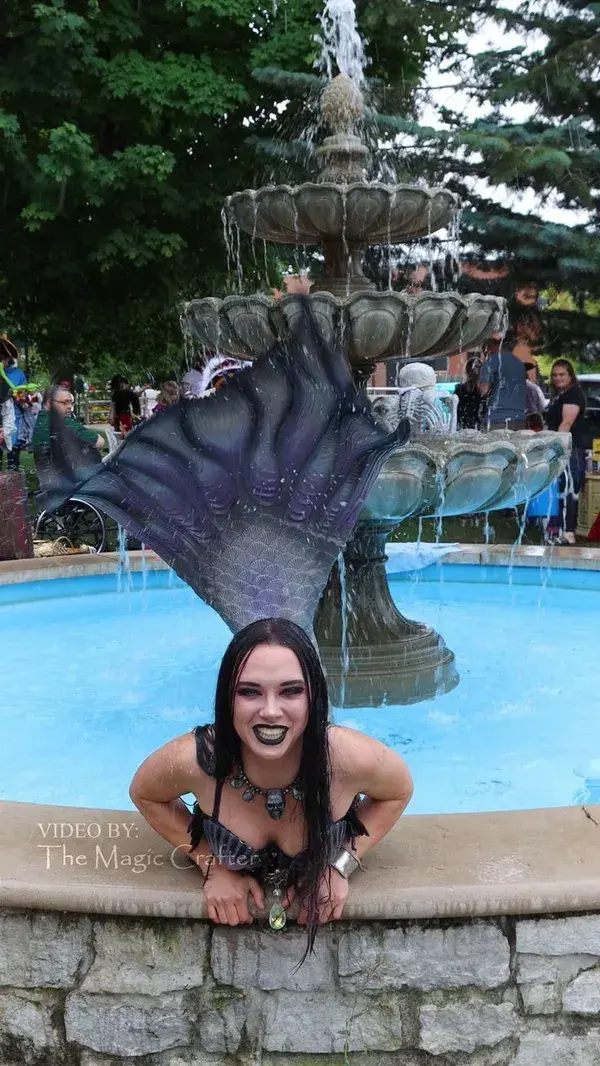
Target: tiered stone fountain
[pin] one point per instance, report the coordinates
(372, 653)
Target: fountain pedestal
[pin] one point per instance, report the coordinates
(386, 658)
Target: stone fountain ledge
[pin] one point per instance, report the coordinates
(470, 940)
(567, 558)
(451, 866)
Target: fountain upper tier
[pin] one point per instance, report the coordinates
(343, 213)
(341, 207)
(359, 213)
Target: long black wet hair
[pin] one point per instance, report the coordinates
(315, 769)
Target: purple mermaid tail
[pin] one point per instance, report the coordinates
(248, 494)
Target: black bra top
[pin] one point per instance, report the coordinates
(236, 854)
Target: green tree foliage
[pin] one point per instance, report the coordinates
(123, 125)
(118, 126)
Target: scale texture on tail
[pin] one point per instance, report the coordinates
(248, 494)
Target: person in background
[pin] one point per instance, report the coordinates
(30, 405)
(13, 374)
(168, 395)
(502, 384)
(148, 399)
(126, 405)
(565, 414)
(62, 402)
(7, 419)
(535, 401)
(469, 396)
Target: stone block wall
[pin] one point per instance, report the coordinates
(94, 991)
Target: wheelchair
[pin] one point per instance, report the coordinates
(79, 522)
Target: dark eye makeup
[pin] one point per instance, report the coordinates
(296, 689)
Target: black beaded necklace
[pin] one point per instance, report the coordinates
(274, 797)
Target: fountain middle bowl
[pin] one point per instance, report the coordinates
(373, 326)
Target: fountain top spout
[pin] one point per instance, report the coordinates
(343, 154)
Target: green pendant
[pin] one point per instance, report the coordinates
(277, 917)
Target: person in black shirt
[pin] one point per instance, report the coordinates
(125, 404)
(469, 396)
(565, 413)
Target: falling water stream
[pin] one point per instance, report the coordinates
(227, 236)
(392, 202)
(342, 47)
(124, 578)
(344, 651)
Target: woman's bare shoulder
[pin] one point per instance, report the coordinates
(182, 749)
(349, 749)
(172, 770)
(366, 764)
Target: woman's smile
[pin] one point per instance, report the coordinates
(270, 734)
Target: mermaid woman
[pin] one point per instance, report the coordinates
(249, 495)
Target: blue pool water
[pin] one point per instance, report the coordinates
(94, 678)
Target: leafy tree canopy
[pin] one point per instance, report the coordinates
(123, 124)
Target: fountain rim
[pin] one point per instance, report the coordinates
(25, 571)
(344, 309)
(344, 302)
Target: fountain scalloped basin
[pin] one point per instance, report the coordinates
(98, 674)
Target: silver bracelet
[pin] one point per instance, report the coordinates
(345, 863)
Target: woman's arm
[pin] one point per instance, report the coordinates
(569, 414)
(361, 764)
(165, 776)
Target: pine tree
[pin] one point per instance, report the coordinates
(555, 153)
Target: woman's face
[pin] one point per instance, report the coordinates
(561, 379)
(270, 705)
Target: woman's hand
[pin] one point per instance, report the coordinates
(333, 893)
(227, 894)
